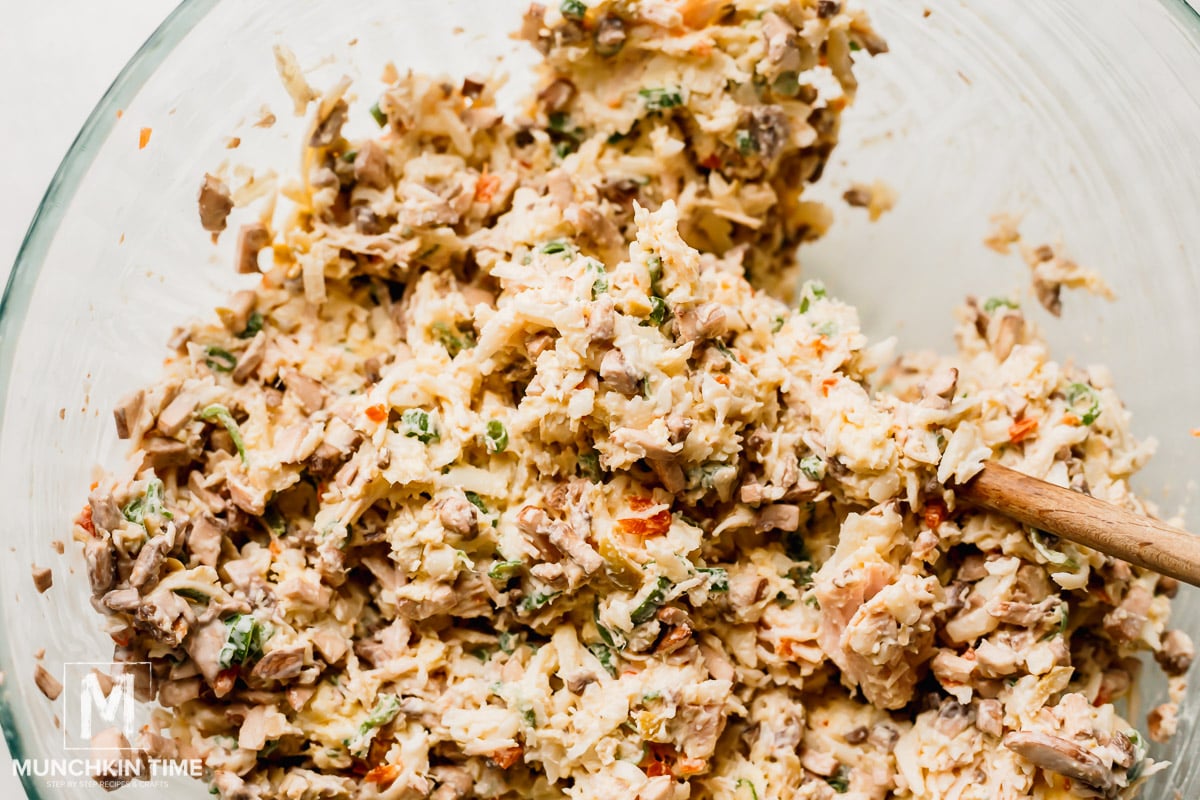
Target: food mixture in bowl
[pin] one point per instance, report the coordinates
(523, 474)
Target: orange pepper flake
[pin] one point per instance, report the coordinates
(143, 138)
(640, 502)
(120, 113)
(690, 766)
(383, 775)
(711, 162)
(486, 187)
(1195, 432)
(1071, 419)
(276, 547)
(722, 379)
(1022, 429)
(656, 768)
(84, 520)
(934, 514)
(826, 385)
(508, 756)
(377, 413)
(654, 525)
(784, 649)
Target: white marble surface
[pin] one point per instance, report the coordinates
(57, 58)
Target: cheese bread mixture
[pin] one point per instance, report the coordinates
(526, 471)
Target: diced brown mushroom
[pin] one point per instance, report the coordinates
(125, 600)
(556, 95)
(204, 646)
(454, 783)
(458, 515)
(215, 204)
(114, 757)
(252, 238)
(329, 129)
(47, 683)
(616, 372)
(566, 539)
(309, 394)
(43, 578)
(100, 560)
(1008, 333)
(178, 413)
(768, 130)
(126, 413)
(669, 474)
(1062, 756)
(989, 717)
(705, 321)
(281, 664)
(601, 319)
(1177, 652)
(149, 560)
(781, 42)
(610, 35)
(441, 599)
(371, 165)
(163, 454)
(1126, 622)
(778, 517)
(938, 391)
(251, 358)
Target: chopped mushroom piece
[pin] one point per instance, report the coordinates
(252, 238)
(46, 683)
(215, 204)
(43, 578)
(1055, 754)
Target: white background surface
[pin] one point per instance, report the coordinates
(57, 58)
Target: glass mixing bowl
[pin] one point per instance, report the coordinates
(1079, 114)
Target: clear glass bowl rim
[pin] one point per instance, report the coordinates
(57, 199)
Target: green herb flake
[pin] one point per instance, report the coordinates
(745, 790)
(718, 578)
(645, 610)
(573, 9)
(813, 467)
(378, 115)
(150, 502)
(507, 641)
(454, 339)
(417, 424)
(604, 655)
(219, 413)
(503, 571)
(195, 595)
(840, 780)
(802, 576)
(254, 324)
(782, 599)
(474, 499)
(660, 312)
(557, 246)
(535, 601)
(244, 639)
(777, 324)
(495, 436)
(219, 360)
(661, 99)
(1078, 392)
(600, 282)
(992, 303)
(654, 267)
(746, 144)
(812, 600)
(589, 466)
(1044, 548)
(855, 47)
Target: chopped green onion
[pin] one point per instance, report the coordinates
(349, 156)
(787, 84)
(508, 641)
(378, 115)
(530, 717)
(993, 303)
(557, 246)
(503, 571)
(796, 549)
(151, 502)
(221, 414)
(219, 360)
(385, 710)
(274, 521)
(1081, 391)
(718, 578)
(745, 142)
(659, 311)
(192, 594)
(455, 340)
(813, 467)
(660, 99)
(745, 790)
(573, 9)
(418, 425)
(1055, 557)
(244, 638)
(589, 466)
(811, 290)
(812, 600)
(474, 499)
(840, 780)
(855, 47)
(654, 267)
(777, 324)
(650, 604)
(604, 632)
(600, 283)
(604, 655)
(558, 121)
(495, 436)
(253, 325)
(536, 600)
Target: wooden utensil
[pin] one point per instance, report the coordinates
(1085, 520)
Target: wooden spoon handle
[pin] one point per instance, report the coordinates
(1087, 521)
